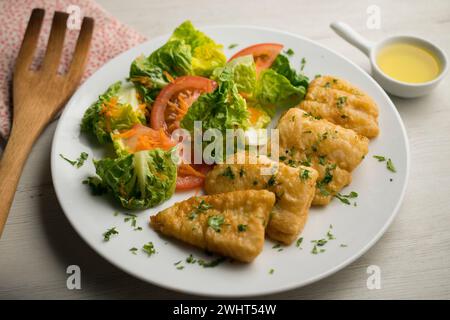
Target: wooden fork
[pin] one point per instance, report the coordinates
(38, 95)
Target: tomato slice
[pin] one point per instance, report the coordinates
(187, 180)
(175, 99)
(264, 54)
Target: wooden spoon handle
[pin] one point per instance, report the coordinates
(11, 165)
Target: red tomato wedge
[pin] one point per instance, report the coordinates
(191, 176)
(264, 54)
(168, 110)
(174, 100)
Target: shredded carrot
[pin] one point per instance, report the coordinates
(177, 109)
(254, 114)
(154, 139)
(168, 76)
(141, 138)
(145, 81)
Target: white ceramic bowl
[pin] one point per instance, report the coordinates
(391, 85)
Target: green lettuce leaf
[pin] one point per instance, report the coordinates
(175, 57)
(147, 78)
(221, 109)
(104, 116)
(241, 71)
(282, 66)
(140, 180)
(206, 54)
(274, 91)
(187, 52)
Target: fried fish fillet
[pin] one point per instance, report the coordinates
(293, 187)
(330, 149)
(231, 224)
(339, 102)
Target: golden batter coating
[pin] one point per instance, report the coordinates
(293, 187)
(330, 149)
(231, 224)
(339, 102)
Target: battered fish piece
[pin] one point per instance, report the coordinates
(294, 189)
(339, 102)
(330, 149)
(231, 224)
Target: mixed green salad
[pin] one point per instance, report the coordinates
(186, 80)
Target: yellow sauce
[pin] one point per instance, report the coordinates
(408, 63)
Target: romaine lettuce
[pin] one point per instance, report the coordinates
(221, 109)
(274, 90)
(116, 109)
(241, 70)
(140, 180)
(188, 52)
(282, 66)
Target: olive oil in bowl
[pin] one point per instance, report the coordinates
(408, 62)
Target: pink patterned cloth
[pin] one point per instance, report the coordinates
(109, 39)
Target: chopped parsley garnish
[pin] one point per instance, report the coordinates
(134, 250)
(193, 215)
(110, 232)
(242, 227)
(149, 248)
(271, 271)
(323, 190)
(177, 263)
(289, 52)
(299, 242)
(344, 198)
(76, 163)
(131, 217)
(343, 245)
(211, 264)
(321, 185)
(278, 247)
(241, 172)
(303, 63)
(205, 264)
(229, 173)
(232, 46)
(319, 244)
(380, 158)
(202, 207)
(317, 76)
(322, 160)
(327, 85)
(191, 259)
(341, 101)
(180, 267)
(304, 175)
(96, 185)
(215, 222)
(306, 162)
(390, 166)
(272, 181)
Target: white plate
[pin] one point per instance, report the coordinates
(357, 227)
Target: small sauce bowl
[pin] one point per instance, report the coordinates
(391, 85)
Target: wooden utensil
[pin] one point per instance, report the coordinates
(38, 95)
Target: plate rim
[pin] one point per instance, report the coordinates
(279, 289)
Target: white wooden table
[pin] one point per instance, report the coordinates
(414, 254)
